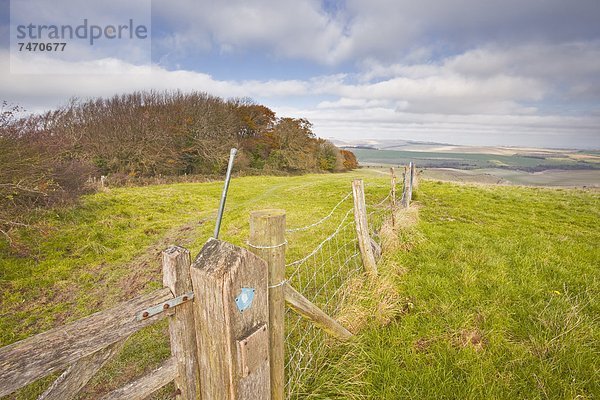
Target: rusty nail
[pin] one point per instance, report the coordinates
(145, 314)
(166, 306)
(185, 298)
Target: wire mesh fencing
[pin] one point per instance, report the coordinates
(324, 276)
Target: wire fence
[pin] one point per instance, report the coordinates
(324, 276)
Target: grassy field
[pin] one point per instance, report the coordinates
(106, 250)
(552, 177)
(505, 288)
(529, 162)
(502, 283)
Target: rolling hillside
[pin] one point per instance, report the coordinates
(498, 288)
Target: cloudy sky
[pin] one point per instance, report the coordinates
(496, 72)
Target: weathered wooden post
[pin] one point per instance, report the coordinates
(362, 227)
(393, 196)
(415, 177)
(308, 310)
(411, 171)
(231, 311)
(176, 262)
(267, 240)
(405, 180)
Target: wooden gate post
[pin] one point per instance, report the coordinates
(267, 240)
(393, 196)
(231, 310)
(176, 264)
(362, 227)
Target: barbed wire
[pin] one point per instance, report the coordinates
(382, 201)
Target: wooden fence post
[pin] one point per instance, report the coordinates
(176, 264)
(267, 240)
(411, 170)
(393, 196)
(415, 180)
(405, 198)
(231, 312)
(362, 227)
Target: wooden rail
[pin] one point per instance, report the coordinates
(308, 310)
(146, 385)
(84, 346)
(28, 360)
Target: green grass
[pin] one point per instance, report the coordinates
(106, 250)
(504, 283)
(505, 288)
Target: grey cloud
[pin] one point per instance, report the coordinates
(455, 26)
(387, 31)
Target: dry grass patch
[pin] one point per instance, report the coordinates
(377, 300)
(402, 235)
(470, 338)
(369, 300)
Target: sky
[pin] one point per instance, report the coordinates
(471, 72)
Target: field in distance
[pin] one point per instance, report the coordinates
(505, 165)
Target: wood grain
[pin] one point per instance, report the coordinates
(405, 184)
(70, 382)
(30, 359)
(146, 385)
(219, 273)
(308, 310)
(176, 262)
(362, 228)
(267, 229)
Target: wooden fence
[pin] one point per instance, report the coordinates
(226, 313)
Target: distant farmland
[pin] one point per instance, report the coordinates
(531, 163)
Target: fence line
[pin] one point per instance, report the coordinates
(247, 348)
(324, 276)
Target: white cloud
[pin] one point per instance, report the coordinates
(474, 129)
(284, 28)
(107, 77)
(458, 71)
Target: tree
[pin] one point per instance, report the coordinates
(349, 159)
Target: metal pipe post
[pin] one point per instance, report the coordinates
(232, 154)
